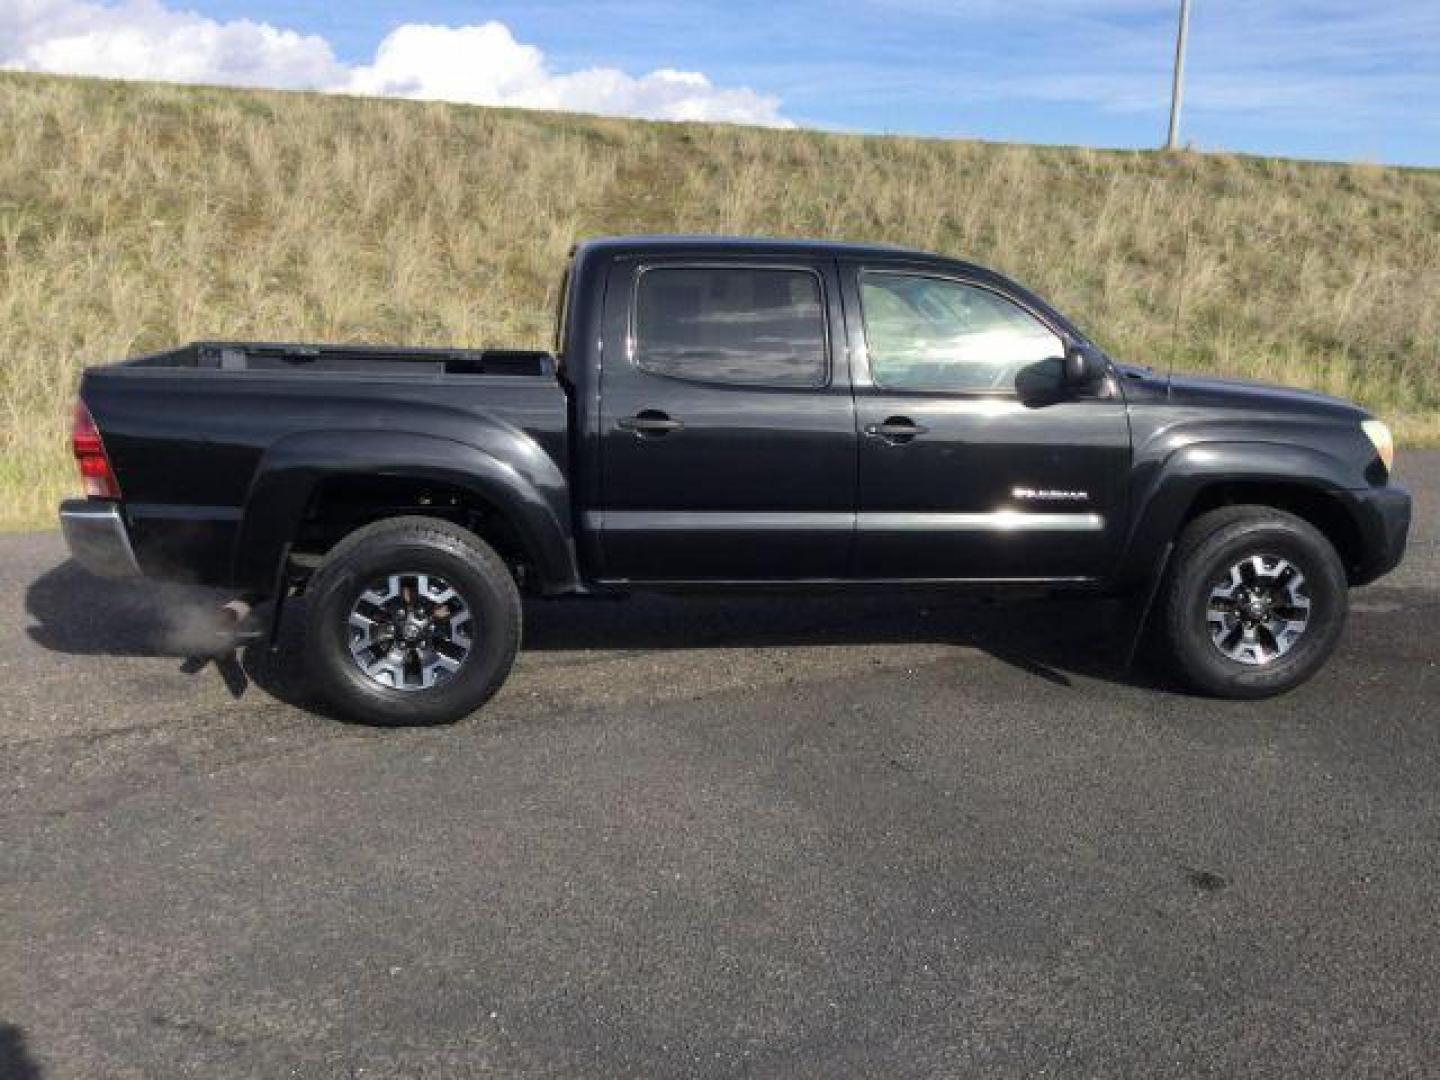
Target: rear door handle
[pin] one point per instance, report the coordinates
(649, 422)
(896, 429)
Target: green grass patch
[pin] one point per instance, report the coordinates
(137, 216)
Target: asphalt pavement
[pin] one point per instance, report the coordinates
(769, 837)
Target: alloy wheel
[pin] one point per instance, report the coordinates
(1258, 609)
(411, 631)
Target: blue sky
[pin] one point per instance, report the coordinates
(1309, 78)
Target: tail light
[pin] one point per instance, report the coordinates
(95, 472)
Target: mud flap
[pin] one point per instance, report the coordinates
(278, 590)
(1142, 618)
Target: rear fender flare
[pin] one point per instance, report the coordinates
(511, 473)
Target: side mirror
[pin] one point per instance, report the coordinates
(1081, 367)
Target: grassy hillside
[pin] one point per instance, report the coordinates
(133, 217)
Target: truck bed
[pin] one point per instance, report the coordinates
(214, 441)
(349, 359)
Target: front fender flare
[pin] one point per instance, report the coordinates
(1164, 493)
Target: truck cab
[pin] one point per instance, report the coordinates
(835, 412)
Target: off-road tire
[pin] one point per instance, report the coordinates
(411, 544)
(1207, 547)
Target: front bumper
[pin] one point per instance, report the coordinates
(97, 538)
(1383, 516)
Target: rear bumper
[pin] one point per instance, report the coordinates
(1383, 515)
(97, 538)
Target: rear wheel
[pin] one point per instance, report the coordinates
(411, 621)
(1254, 603)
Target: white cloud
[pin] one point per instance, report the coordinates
(140, 39)
(484, 64)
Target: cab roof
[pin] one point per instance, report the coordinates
(747, 245)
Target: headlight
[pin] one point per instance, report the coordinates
(1379, 434)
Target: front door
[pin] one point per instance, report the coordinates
(727, 428)
(975, 462)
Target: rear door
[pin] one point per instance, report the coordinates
(727, 429)
(975, 462)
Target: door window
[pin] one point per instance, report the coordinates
(739, 325)
(926, 333)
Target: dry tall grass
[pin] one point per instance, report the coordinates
(134, 217)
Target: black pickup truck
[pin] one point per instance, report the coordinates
(732, 413)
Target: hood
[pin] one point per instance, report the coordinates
(1191, 391)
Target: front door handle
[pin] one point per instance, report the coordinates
(649, 422)
(896, 429)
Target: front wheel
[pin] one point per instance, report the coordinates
(411, 621)
(1254, 603)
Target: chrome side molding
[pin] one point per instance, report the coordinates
(823, 521)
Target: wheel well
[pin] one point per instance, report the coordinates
(1311, 504)
(342, 504)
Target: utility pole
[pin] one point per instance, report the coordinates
(1177, 88)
